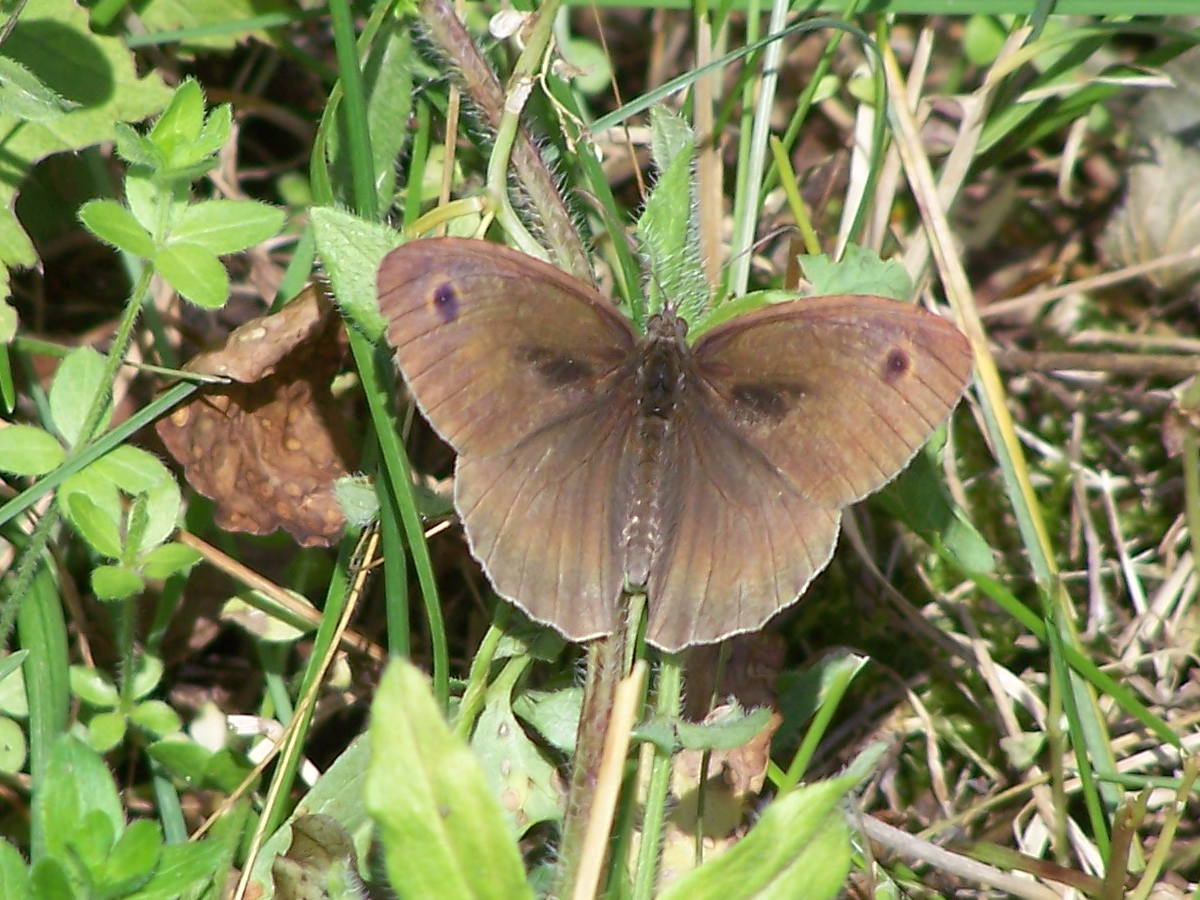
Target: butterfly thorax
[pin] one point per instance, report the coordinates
(660, 380)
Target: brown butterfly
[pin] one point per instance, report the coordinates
(711, 476)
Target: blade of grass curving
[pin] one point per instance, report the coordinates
(42, 632)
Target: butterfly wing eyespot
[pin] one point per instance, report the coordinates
(837, 392)
(493, 343)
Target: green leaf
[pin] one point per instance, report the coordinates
(184, 868)
(442, 830)
(132, 860)
(215, 132)
(155, 717)
(667, 231)
(860, 271)
(227, 226)
(155, 205)
(195, 272)
(97, 488)
(115, 224)
(553, 714)
(28, 450)
(106, 730)
(176, 130)
(116, 582)
(799, 848)
(148, 675)
(919, 499)
(25, 96)
(49, 881)
(388, 73)
(726, 734)
(54, 41)
(167, 560)
(515, 767)
(75, 782)
(14, 876)
(94, 524)
(93, 687)
(182, 757)
(137, 472)
(76, 385)
(13, 749)
(137, 149)
(352, 249)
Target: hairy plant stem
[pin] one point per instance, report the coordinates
(480, 84)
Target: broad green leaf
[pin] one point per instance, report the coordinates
(116, 582)
(53, 39)
(49, 881)
(137, 472)
(93, 687)
(25, 96)
(442, 829)
(154, 205)
(132, 861)
(800, 847)
(227, 226)
(94, 524)
(183, 868)
(182, 757)
(352, 250)
(218, 126)
(76, 782)
(76, 385)
(115, 224)
(28, 450)
(13, 749)
(553, 714)
(98, 488)
(148, 675)
(167, 560)
(14, 876)
(860, 271)
(388, 76)
(106, 730)
(155, 717)
(137, 149)
(195, 272)
(515, 766)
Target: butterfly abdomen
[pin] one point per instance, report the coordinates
(661, 378)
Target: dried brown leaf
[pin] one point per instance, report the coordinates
(268, 447)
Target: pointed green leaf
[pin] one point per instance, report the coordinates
(115, 224)
(76, 385)
(799, 848)
(28, 450)
(116, 582)
(195, 272)
(94, 525)
(14, 876)
(167, 560)
(132, 860)
(227, 226)
(26, 97)
(442, 829)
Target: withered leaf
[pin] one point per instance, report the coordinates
(268, 446)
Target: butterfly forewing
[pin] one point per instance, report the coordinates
(838, 392)
(495, 344)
